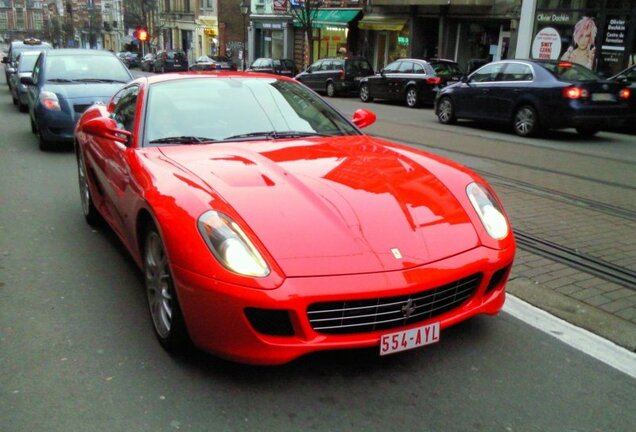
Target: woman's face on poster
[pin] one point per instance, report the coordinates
(584, 40)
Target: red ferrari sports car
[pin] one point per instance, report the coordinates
(268, 226)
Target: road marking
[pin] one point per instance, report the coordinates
(578, 338)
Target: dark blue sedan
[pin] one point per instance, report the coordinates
(64, 84)
(535, 96)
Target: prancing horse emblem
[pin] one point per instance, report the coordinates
(408, 309)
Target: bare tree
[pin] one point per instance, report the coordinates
(305, 12)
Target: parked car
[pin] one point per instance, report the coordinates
(65, 82)
(275, 66)
(449, 71)
(535, 96)
(17, 47)
(413, 81)
(170, 61)
(268, 226)
(26, 62)
(147, 63)
(213, 63)
(336, 75)
(627, 77)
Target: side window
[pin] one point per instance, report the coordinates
(488, 73)
(517, 72)
(125, 106)
(406, 67)
(316, 66)
(418, 69)
(38, 68)
(392, 68)
(338, 65)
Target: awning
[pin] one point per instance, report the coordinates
(383, 22)
(332, 18)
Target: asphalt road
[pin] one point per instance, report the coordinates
(77, 351)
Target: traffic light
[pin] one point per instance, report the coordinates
(142, 34)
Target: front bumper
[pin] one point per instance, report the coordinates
(215, 315)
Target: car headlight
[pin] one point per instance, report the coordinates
(230, 245)
(489, 211)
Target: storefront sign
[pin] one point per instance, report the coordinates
(554, 18)
(280, 5)
(547, 44)
(613, 47)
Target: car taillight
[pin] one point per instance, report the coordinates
(341, 74)
(433, 80)
(625, 93)
(575, 93)
(50, 101)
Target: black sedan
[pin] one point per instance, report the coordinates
(534, 96)
(628, 78)
(214, 63)
(413, 81)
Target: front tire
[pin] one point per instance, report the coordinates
(165, 312)
(411, 98)
(365, 94)
(525, 121)
(446, 111)
(88, 207)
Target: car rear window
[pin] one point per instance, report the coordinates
(566, 71)
(359, 66)
(446, 68)
(176, 55)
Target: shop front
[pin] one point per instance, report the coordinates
(600, 35)
(206, 34)
(386, 38)
(272, 37)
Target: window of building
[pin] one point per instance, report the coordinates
(36, 17)
(4, 21)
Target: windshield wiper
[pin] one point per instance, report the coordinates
(63, 80)
(274, 135)
(99, 80)
(182, 140)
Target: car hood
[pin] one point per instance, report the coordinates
(329, 206)
(84, 92)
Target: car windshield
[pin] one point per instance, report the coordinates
(571, 72)
(27, 62)
(85, 67)
(17, 51)
(235, 109)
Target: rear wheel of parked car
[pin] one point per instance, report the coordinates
(331, 89)
(586, 132)
(164, 307)
(412, 100)
(365, 96)
(446, 111)
(525, 121)
(23, 107)
(88, 207)
(15, 100)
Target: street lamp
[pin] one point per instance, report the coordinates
(245, 9)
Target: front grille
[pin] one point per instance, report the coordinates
(360, 316)
(81, 108)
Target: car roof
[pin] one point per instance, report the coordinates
(78, 51)
(154, 79)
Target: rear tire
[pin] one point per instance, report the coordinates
(411, 98)
(365, 95)
(44, 144)
(163, 304)
(331, 89)
(525, 121)
(586, 132)
(34, 127)
(23, 107)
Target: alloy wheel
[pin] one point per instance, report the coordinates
(158, 285)
(411, 97)
(525, 121)
(445, 111)
(364, 93)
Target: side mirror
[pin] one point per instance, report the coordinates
(622, 79)
(363, 118)
(465, 79)
(381, 71)
(27, 80)
(106, 128)
(5, 59)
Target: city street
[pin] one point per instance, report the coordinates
(77, 350)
